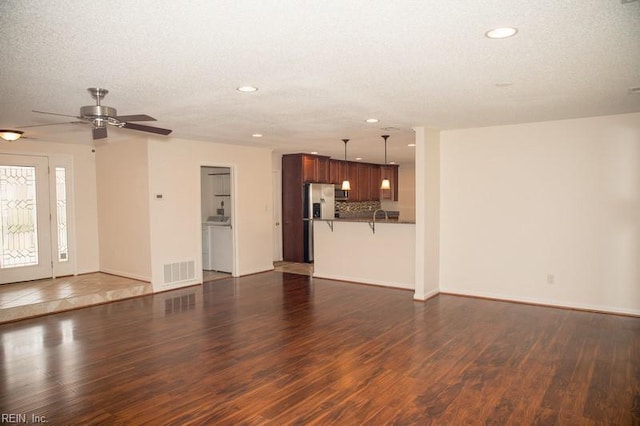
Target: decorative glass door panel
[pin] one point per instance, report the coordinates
(25, 240)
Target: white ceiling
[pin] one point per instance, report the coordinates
(322, 67)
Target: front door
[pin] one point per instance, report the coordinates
(25, 230)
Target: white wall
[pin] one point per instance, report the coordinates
(561, 198)
(84, 194)
(123, 207)
(174, 172)
(427, 183)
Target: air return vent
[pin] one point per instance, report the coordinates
(179, 272)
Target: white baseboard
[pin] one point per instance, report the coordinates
(364, 281)
(543, 302)
(426, 296)
(125, 274)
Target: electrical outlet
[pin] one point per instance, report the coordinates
(551, 279)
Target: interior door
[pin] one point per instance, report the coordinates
(25, 233)
(277, 215)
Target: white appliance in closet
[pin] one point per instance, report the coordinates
(216, 244)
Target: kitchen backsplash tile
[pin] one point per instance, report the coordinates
(356, 208)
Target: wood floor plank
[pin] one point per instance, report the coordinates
(280, 348)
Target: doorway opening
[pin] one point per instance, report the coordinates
(216, 186)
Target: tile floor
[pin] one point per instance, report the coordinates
(213, 275)
(40, 297)
(294, 268)
(33, 298)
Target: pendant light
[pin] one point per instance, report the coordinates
(346, 186)
(385, 181)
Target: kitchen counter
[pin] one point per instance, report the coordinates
(368, 219)
(357, 250)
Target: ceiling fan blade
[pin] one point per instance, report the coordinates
(53, 124)
(137, 117)
(55, 113)
(144, 128)
(99, 133)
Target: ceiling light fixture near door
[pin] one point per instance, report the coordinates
(10, 135)
(346, 185)
(247, 89)
(372, 120)
(385, 181)
(501, 32)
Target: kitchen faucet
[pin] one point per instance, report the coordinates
(372, 224)
(386, 217)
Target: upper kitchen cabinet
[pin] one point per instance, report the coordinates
(337, 171)
(363, 188)
(365, 178)
(315, 168)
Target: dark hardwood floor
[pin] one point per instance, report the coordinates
(279, 348)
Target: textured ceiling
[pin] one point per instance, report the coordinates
(322, 67)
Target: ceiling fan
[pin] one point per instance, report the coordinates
(101, 115)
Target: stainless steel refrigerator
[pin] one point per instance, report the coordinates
(319, 203)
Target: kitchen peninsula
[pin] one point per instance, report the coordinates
(361, 250)
(300, 170)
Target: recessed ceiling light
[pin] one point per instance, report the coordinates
(411, 144)
(372, 120)
(314, 152)
(247, 89)
(501, 32)
(358, 158)
(256, 135)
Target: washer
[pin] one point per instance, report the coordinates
(217, 238)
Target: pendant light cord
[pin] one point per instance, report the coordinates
(385, 137)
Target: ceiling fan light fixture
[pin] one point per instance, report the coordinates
(10, 135)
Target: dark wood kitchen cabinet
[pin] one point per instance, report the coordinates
(292, 197)
(363, 187)
(298, 169)
(375, 179)
(315, 168)
(337, 171)
(352, 174)
(323, 171)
